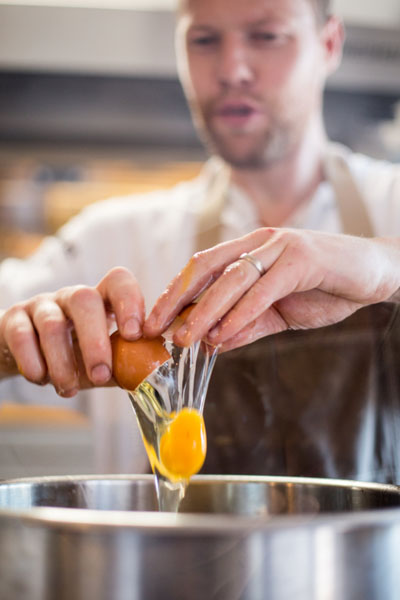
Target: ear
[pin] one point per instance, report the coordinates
(332, 38)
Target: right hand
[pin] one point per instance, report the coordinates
(63, 337)
(311, 279)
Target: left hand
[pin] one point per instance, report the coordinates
(311, 279)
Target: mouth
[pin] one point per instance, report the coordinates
(240, 110)
(236, 114)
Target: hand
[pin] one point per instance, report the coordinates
(311, 279)
(63, 337)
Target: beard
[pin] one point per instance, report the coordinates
(243, 150)
(261, 151)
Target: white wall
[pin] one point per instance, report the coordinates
(130, 4)
(385, 13)
(83, 39)
(382, 12)
(113, 38)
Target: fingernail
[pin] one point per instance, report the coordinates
(182, 336)
(100, 374)
(68, 393)
(45, 380)
(214, 333)
(131, 328)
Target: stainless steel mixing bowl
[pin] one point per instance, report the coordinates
(260, 538)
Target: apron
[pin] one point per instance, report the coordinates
(315, 403)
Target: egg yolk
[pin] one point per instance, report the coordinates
(133, 361)
(183, 445)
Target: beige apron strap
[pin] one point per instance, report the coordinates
(351, 206)
(209, 219)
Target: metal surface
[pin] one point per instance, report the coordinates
(241, 538)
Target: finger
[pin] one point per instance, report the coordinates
(84, 381)
(315, 308)
(303, 310)
(216, 302)
(21, 340)
(121, 291)
(286, 274)
(199, 273)
(269, 323)
(225, 293)
(55, 341)
(85, 307)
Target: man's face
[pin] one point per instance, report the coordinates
(253, 72)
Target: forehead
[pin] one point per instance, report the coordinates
(225, 13)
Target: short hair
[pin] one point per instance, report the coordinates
(322, 9)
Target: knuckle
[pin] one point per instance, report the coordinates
(296, 243)
(117, 271)
(16, 331)
(262, 235)
(52, 326)
(82, 296)
(18, 338)
(198, 266)
(13, 312)
(116, 274)
(40, 299)
(285, 236)
(199, 260)
(99, 346)
(303, 250)
(267, 232)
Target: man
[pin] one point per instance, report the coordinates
(253, 72)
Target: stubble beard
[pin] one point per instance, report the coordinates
(254, 151)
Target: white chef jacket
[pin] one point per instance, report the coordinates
(154, 235)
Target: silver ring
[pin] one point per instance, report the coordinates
(253, 261)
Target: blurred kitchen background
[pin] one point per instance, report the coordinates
(90, 107)
(90, 104)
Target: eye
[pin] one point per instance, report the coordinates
(267, 37)
(203, 41)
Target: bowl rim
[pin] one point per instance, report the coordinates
(202, 524)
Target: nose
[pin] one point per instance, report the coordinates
(234, 65)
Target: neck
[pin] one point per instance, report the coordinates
(279, 189)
